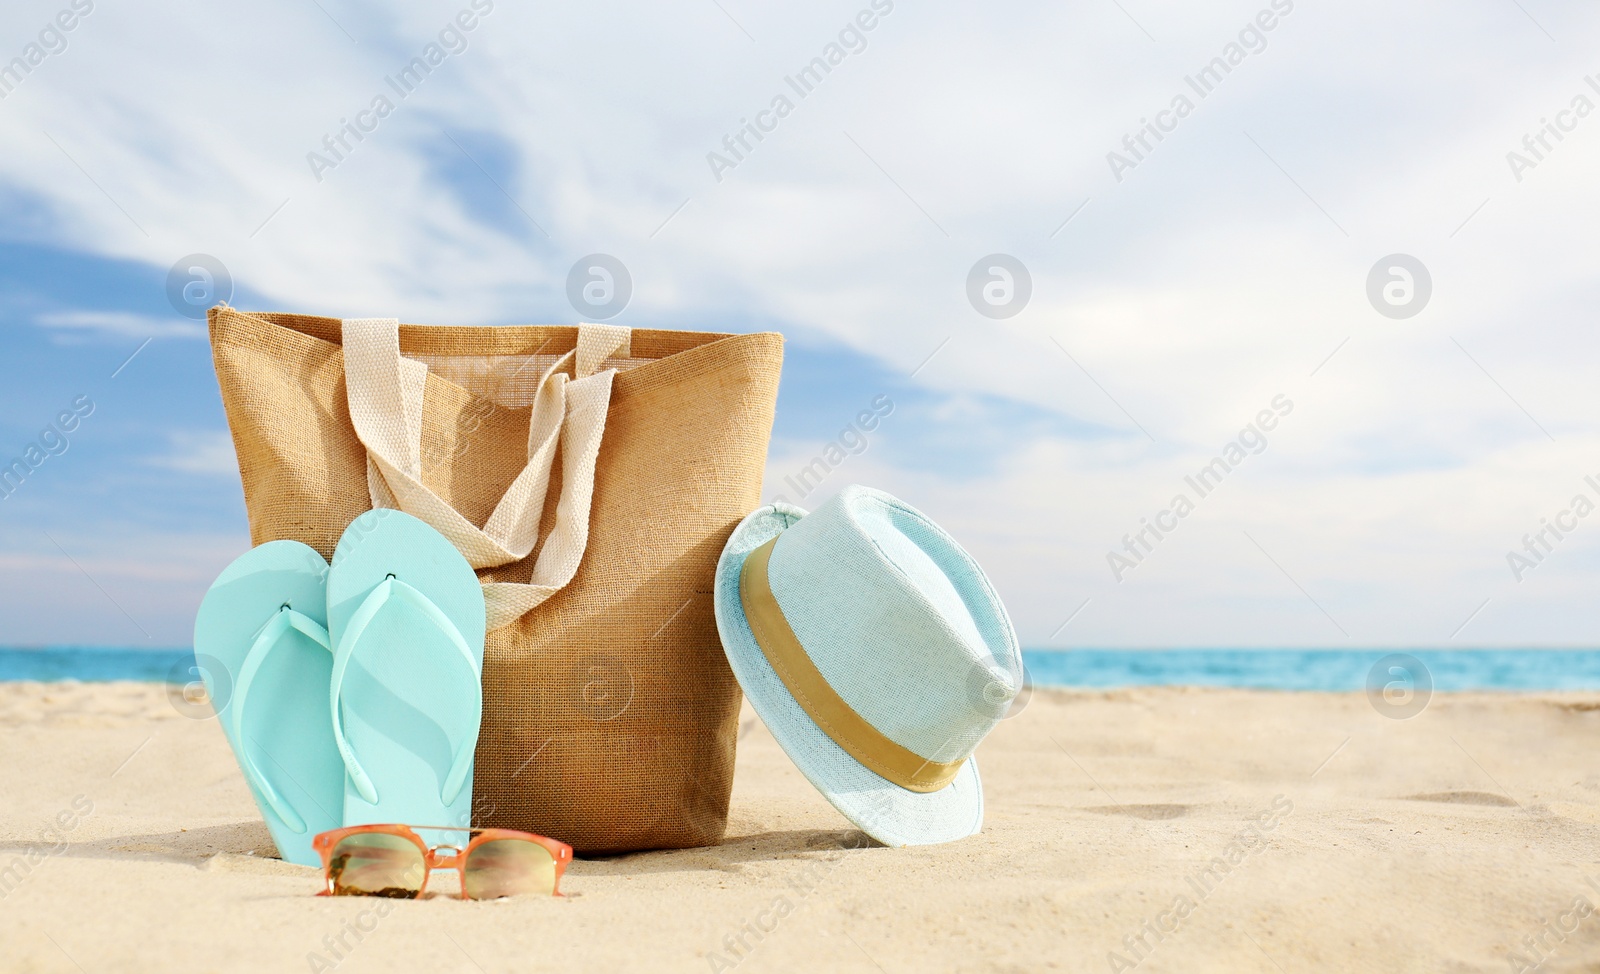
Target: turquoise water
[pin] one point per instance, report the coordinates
(1272, 669)
(1314, 669)
(93, 664)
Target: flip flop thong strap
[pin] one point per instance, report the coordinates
(270, 636)
(392, 588)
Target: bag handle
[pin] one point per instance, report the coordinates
(385, 392)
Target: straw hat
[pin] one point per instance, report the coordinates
(877, 654)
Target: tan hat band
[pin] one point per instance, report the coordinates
(818, 699)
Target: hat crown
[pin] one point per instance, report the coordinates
(899, 620)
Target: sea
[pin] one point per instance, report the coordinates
(1265, 669)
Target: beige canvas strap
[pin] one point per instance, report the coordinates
(385, 392)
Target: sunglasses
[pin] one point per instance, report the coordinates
(393, 861)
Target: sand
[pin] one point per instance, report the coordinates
(1439, 843)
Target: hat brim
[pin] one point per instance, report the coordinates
(889, 813)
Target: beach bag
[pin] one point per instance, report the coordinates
(591, 475)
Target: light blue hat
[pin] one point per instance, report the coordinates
(883, 657)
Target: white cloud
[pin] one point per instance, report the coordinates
(204, 452)
(123, 586)
(118, 324)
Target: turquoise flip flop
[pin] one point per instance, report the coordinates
(406, 616)
(264, 622)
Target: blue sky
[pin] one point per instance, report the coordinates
(1169, 306)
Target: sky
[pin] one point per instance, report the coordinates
(1079, 255)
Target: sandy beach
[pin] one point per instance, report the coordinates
(1148, 829)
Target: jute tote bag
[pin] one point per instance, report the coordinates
(591, 474)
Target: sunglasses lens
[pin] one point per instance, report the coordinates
(377, 864)
(509, 867)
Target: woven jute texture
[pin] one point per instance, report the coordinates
(610, 714)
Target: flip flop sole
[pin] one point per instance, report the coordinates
(408, 697)
(286, 728)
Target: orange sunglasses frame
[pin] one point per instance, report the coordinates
(326, 842)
